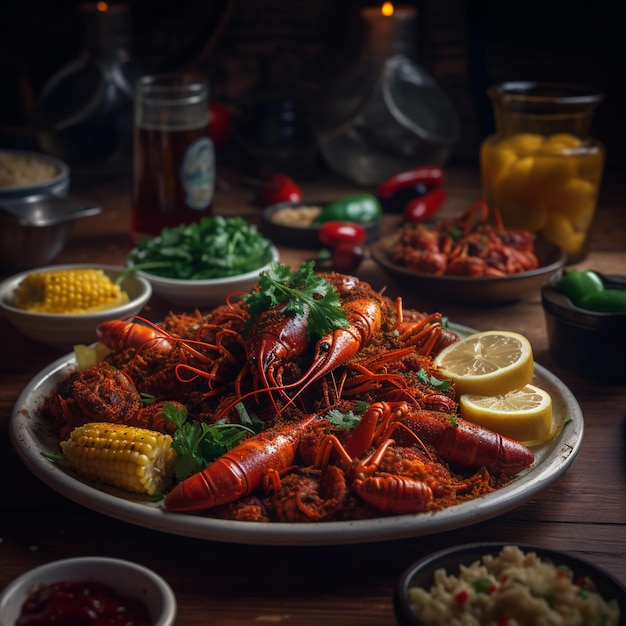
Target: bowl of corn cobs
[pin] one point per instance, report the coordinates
(62, 305)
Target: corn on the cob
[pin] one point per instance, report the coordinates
(135, 459)
(68, 291)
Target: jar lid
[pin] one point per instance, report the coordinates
(560, 93)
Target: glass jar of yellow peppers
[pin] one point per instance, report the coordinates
(541, 170)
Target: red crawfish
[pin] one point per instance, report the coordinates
(464, 443)
(389, 493)
(122, 334)
(365, 318)
(274, 338)
(242, 470)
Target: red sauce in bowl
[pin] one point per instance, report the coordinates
(81, 604)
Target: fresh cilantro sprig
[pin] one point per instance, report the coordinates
(198, 444)
(428, 379)
(301, 292)
(344, 420)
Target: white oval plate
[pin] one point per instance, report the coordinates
(31, 438)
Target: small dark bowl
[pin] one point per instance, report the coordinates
(305, 236)
(588, 343)
(421, 574)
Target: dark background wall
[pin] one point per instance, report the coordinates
(252, 47)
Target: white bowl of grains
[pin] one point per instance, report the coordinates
(489, 583)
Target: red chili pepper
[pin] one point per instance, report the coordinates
(280, 188)
(425, 206)
(335, 232)
(461, 598)
(428, 175)
(219, 124)
(347, 257)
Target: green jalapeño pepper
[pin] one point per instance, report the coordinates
(576, 284)
(587, 290)
(607, 301)
(361, 208)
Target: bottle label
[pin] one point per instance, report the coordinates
(197, 174)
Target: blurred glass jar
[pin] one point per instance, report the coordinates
(541, 169)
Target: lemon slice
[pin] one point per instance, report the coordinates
(487, 363)
(523, 414)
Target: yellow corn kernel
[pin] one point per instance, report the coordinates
(135, 459)
(68, 291)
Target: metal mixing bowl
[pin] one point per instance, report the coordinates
(36, 218)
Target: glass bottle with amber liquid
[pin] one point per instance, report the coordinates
(173, 178)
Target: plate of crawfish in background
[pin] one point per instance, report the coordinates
(308, 411)
(471, 259)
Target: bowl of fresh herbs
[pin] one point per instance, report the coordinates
(200, 264)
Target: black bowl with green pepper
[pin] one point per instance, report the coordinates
(585, 313)
(296, 224)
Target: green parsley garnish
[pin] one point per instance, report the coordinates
(301, 292)
(482, 585)
(214, 247)
(424, 377)
(198, 444)
(339, 418)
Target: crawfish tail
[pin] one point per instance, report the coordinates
(394, 494)
(120, 335)
(240, 471)
(466, 444)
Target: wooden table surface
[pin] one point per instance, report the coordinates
(230, 584)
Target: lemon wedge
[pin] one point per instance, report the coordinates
(487, 363)
(523, 414)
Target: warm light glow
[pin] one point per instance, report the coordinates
(387, 8)
(102, 6)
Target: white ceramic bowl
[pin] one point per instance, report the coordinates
(128, 579)
(62, 331)
(204, 293)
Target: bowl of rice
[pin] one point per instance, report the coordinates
(496, 584)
